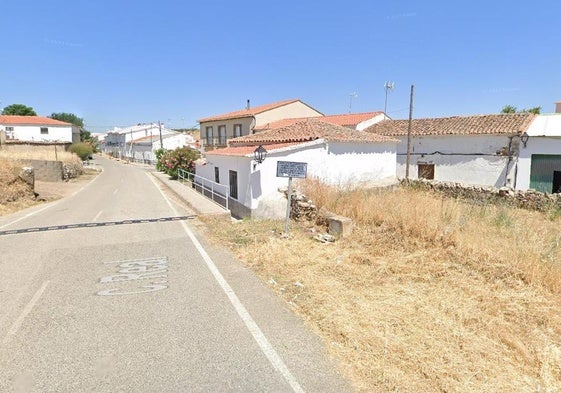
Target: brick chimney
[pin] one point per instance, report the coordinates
(558, 107)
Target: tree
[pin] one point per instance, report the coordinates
(512, 109)
(68, 118)
(19, 110)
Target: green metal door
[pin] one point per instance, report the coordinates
(541, 171)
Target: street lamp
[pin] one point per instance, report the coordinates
(524, 138)
(259, 154)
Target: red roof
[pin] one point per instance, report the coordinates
(248, 112)
(511, 124)
(346, 120)
(309, 130)
(246, 150)
(31, 120)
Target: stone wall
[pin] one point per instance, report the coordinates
(531, 200)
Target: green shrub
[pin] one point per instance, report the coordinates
(159, 165)
(182, 157)
(82, 150)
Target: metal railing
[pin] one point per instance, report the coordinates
(215, 191)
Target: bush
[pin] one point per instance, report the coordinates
(82, 150)
(182, 157)
(159, 165)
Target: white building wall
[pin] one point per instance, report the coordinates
(33, 133)
(295, 109)
(535, 145)
(469, 159)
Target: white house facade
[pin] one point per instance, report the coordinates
(477, 150)
(335, 155)
(38, 129)
(539, 166)
(120, 142)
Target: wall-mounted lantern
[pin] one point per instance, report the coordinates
(259, 154)
(524, 138)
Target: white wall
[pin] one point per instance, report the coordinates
(334, 163)
(33, 133)
(535, 145)
(469, 159)
(295, 109)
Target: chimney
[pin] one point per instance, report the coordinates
(558, 107)
(248, 106)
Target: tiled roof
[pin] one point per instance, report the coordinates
(309, 130)
(31, 120)
(512, 123)
(247, 112)
(351, 119)
(247, 150)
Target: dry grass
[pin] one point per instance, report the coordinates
(429, 294)
(48, 153)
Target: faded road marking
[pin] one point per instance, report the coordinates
(27, 309)
(135, 270)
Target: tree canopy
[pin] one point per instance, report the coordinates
(68, 118)
(512, 109)
(18, 110)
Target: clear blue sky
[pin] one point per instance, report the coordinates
(117, 63)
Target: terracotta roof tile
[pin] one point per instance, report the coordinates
(247, 150)
(512, 123)
(309, 130)
(31, 120)
(347, 120)
(247, 112)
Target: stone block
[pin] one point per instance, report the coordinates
(340, 226)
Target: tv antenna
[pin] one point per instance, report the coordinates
(388, 86)
(352, 95)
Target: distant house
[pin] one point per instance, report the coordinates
(334, 154)
(355, 121)
(38, 129)
(478, 150)
(218, 129)
(539, 166)
(143, 149)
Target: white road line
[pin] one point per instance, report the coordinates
(27, 309)
(97, 215)
(250, 324)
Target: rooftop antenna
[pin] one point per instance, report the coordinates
(352, 95)
(388, 86)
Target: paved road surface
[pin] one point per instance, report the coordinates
(100, 303)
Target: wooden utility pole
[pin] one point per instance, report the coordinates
(160, 127)
(409, 134)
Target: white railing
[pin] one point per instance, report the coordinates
(215, 191)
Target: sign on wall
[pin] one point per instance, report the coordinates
(292, 169)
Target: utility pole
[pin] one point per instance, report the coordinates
(387, 86)
(409, 134)
(160, 127)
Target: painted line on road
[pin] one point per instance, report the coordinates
(264, 344)
(26, 310)
(97, 215)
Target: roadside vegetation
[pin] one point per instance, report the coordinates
(169, 161)
(429, 294)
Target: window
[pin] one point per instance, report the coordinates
(425, 171)
(9, 129)
(234, 184)
(209, 136)
(216, 174)
(44, 130)
(222, 135)
(237, 130)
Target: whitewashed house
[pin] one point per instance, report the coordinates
(334, 154)
(477, 150)
(143, 149)
(539, 166)
(217, 130)
(120, 142)
(38, 129)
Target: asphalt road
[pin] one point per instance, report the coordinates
(118, 294)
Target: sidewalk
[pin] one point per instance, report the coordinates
(199, 203)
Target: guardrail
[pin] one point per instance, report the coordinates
(215, 191)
